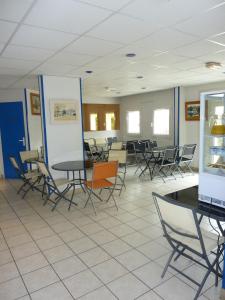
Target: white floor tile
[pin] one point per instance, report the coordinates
(94, 256)
(132, 259)
(68, 267)
(54, 291)
(82, 283)
(127, 287)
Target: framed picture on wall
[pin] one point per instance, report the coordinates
(192, 110)
(35, 104)
(63, 111)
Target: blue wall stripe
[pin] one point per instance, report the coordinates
(26, 113)
(41, 88)
(174, 116)
(178, 118)
(82, 127)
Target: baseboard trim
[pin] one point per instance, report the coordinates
(222, 294)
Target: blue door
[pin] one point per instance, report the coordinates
(12, 134)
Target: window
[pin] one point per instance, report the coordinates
(93, 121)
(219, 110)
(161, 122)
(133, 122)
(110, 121)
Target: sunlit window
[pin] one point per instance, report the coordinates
(93, 121)
(161, 122)
(219, 110)
(110, 121)
(133, 122)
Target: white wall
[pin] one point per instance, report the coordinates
(101, 134)
(190, 130)
(34, 124)
(64, 141)
(146, 103)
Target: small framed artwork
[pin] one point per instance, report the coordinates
(63, 111)
(192, 111)
(35, 104)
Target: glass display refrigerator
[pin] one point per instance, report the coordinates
(212, 148)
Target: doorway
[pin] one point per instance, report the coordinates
(12, 133)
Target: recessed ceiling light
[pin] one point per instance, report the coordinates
(140, 77)
(130, 55)
(143, 88)
(212, 65)
(88, 71)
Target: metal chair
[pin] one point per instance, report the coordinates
(121, 157)
(184, 234)
(140, 149)
(167, 162)
(29, 178)
(28, 156)
(92, 154)
(186, 158)
(52, 187)
(116, 146)
(101, 174)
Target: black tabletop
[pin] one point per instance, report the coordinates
(189, 198)
(77, 165)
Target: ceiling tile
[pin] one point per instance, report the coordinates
(1, 46)
(53, 69)
(198, 49)
(17, 63)
(7, 80)
(205, 24)
(219, 38)
(166, 12)
(167, 39)
(113, 5)
(27, 53)
(217, 56)
(12, 71)
(72, 59)
(123, 29)
(93, 46)
(14, 10)
(6, 30)
(30, 82)
(41, 38)
(67, 15)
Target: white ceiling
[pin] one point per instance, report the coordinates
(172, 40)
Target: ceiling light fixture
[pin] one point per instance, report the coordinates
(88, 71)
(143, 88)
(130, 55)
(212, 65)
(140, 77)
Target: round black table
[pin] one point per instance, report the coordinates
(72, 166)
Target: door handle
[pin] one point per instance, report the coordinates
(22, 141)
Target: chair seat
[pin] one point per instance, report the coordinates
(32, 174)
(98, 184)
(209, 238)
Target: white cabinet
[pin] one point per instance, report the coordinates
(212, 148)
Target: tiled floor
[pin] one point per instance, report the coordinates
(65, 255)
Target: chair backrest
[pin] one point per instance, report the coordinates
(170, 154)
(43, 169)
(91, 142)
(29, 155)
(181, 220)
(140, 147)
(188, 150)
(153, 144)
(14, 163)
(130, 146)
(100, 141)
(118, 155)
(105, 170)
(87, 147)
(117, 146)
